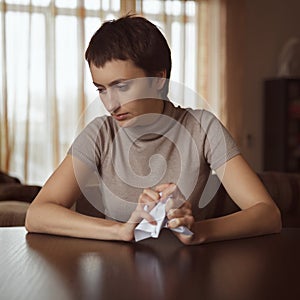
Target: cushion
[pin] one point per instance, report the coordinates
(5, 178)
(285, 191)
(13, 213)
(19, 192)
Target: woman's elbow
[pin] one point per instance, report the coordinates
(30, 219)
(275, 219)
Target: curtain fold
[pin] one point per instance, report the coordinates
(232, 107)
(4, 142)
(46, 88)
(28, 104)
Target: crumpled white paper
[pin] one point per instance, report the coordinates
(146, 230)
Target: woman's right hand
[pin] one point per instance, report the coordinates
(147, 200)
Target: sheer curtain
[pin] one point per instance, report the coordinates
(45, 84)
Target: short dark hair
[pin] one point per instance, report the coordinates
(131, 38)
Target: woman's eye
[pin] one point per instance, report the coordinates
(122, 86)
(101, 90)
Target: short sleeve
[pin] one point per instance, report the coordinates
(87, 145)
(219, 146)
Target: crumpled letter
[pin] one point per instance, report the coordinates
(146, 230)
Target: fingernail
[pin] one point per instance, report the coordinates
(173, 188)
(173, 222)
(171, 211)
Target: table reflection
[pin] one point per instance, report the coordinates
(165, 269)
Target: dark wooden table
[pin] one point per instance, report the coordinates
(36, 266)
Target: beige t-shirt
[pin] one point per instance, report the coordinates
(182, 146)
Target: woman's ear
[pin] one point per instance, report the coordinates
(160, 79)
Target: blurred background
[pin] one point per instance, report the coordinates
(224, 50)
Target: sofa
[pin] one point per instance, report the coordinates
(284, 188)
(15, 198)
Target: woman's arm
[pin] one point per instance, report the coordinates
(259, 214)
(50, 211)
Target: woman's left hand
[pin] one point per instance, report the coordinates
(178, 210)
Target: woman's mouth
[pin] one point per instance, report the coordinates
(121, 117)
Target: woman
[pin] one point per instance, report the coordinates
(147, 151)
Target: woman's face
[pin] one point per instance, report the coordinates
(126, 92)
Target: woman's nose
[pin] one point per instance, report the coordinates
(110, 101)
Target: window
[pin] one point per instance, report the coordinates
(45, 84)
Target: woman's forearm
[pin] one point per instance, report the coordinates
(55, 219)
(257, 220)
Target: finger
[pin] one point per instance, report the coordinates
(148, 218)
(144, 200)
(168, 190)
(177, 197)
(161, 187)
(185, 208)
(174, 203)
(137, 216)
(187, 221)
(186, 204)
(178, 213)
(170, 205)
(151, 194)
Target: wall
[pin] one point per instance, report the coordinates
(268, 25)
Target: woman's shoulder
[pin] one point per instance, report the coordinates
(100, 124)
(188, 114)
(201, 113)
